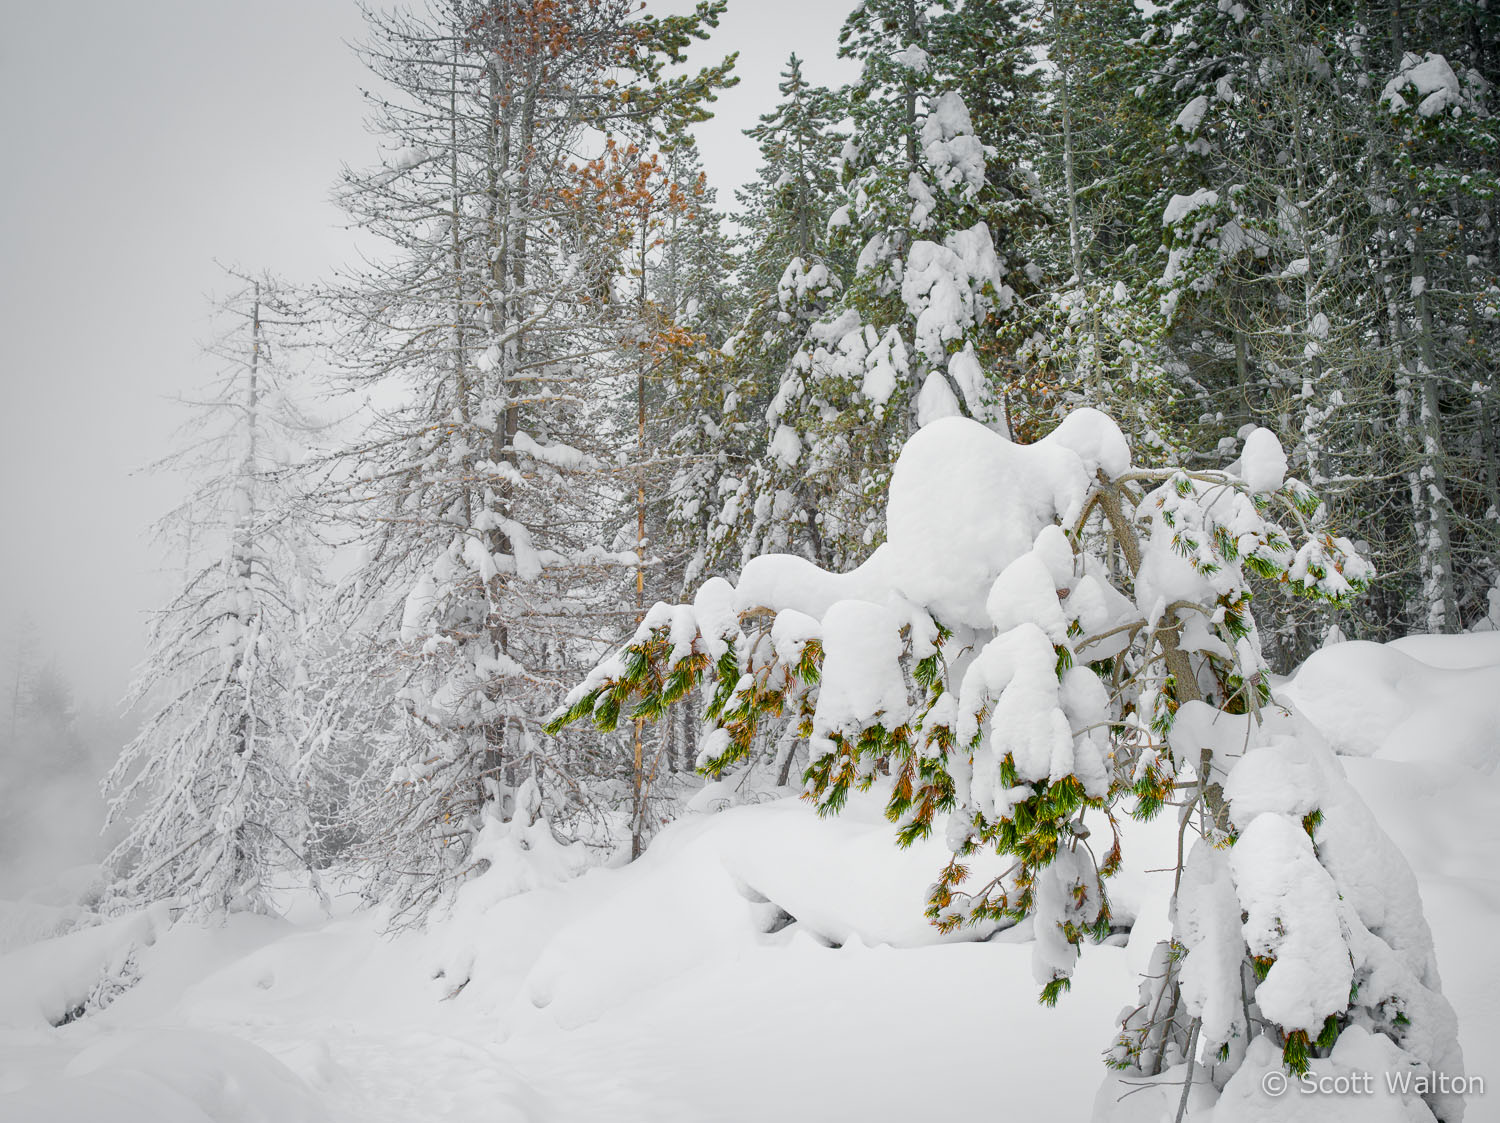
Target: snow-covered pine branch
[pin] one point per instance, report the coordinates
(1048, 640)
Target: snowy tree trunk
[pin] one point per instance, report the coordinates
(690, 733)
(1089, 376)
(1436, 541)
(638, 792)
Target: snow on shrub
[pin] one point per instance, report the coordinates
(1051, 638)
(52, 981)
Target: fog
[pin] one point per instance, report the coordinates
(143, 143)
(53, 748)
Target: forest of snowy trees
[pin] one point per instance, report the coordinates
(1210, 294)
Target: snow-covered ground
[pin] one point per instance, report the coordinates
(757, 963)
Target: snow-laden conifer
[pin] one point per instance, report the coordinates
(207, 788)
(480, 346)
(927, 205)
(1321, 185)
(1051, 638)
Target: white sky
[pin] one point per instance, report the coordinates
(141, 142)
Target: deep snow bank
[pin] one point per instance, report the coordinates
(750, 962)
(1425, 699)
(167, 1076)
(44, 982)
(699, 983)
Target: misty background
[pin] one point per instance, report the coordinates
(143, 144)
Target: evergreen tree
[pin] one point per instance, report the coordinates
(790, 274)
(207, 788)
(482, 483)
(662, 205)
(1092, 333)
(1051, 637)
(788, 205)
(1436, 151)
(904, 336)
(1295, 242)
(700, 307)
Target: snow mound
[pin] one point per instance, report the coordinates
(26, 922)
(44, 983)
(964, 503)
(1370, 699)
(1180, 206)
(955, 154)
(1192, 114)
(1263, 463)
(728, 883)
(168, 1076)
(1256, 1094)
(1472, 649)
(946, 287)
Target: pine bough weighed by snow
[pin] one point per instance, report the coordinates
(1050, 638)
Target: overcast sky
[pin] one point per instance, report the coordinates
(142, 141)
